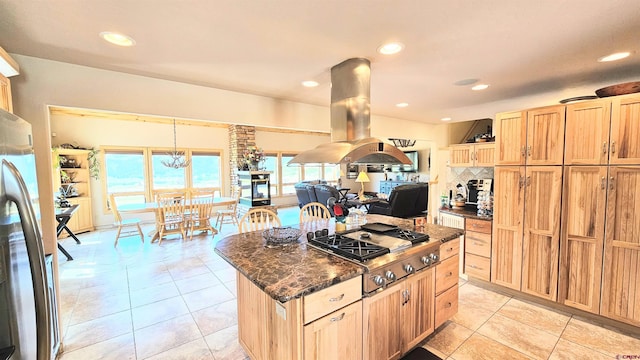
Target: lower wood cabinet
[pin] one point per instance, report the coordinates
(332, 336)
(400, 317)
(478, 249)
(82, 220)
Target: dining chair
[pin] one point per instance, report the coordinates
(229, 215)
(131, 226)
(258, 219)
(198, 216)
(314, 211)
(170, 217)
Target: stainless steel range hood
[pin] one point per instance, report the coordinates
(351, 141)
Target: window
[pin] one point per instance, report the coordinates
(332, 172)
(271, 164)
(205, 170)
(313, 172)
(125, 171)
(165, 177)
(290, 174)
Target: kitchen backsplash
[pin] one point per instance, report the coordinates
(461, 175)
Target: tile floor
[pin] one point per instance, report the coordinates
(178, 301)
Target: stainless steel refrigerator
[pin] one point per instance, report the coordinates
(26, 299)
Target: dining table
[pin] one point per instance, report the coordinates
(152, 207)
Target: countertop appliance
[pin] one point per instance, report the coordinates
(26, 315)
(388, 253)
(474, 186)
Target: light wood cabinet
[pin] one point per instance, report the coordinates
(6, 103)
(446, 305)
(511, 138)
(478, 248)
(625, 130)
(587, 140)
(72, 177)
(621, 282)
(506, 247)
(541, 240)
(472, 155)
(582, 237)
(331, 337)
(398, 318)
(332, 298)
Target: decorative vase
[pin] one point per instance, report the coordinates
(253, 165)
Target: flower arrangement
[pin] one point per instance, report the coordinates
(251, 156)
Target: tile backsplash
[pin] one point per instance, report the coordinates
(461, 175)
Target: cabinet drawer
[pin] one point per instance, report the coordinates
(477, 266)
(332, 298)
(447, 274)
(449, 249)
(483, 226)
(478, 243)
(446, 305)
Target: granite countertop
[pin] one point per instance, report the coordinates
(465, 213)
(294, 270)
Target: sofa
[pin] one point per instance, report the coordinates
(315, 192)
(404, 201)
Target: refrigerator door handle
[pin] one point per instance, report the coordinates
(16, 191)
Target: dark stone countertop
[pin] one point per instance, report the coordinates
(294, 270)
(466, 214)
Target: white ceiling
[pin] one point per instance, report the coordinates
(522, 48)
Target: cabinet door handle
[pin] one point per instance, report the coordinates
(521, 182)
(603, 183)
(449, 273)
(611, 179)
(613, 147)
(337, 318)
(604, 147)
(448, 305)
(529, 150)
(337, 298)
(528, 182)
(523, 150)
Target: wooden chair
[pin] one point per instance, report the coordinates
(170, 218)
(230, 215)
(258, 219)
(124, 224)
(314, 211)
(200, 208)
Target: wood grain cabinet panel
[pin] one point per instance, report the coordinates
(331, 337)
(419, 317)
(541, 240)
(478, 266)
(506, 247)
(621, 281)
(472, 155)
(511, 138)
(625, 130)
(447, 274)
(334, 297)
(446, 305)
(587, 139)
(449, 249)
(460, 156)
(582, 237)
(6, 102)
(478, 243)
(545, 135)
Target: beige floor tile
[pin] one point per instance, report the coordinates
(197, 282)
(218, 264)
(535, 316)
(535, 343)
(141, 281)
(166, 335)
(194, 350)
(435, 352)
(97, 293)
(607, 341)
(226, 275)
(217, 317)
(232, 286)
(470, 315)
(448, 337)
(98, 330)
(224, 344)
(567, 350)
(118, 348)
(483, 298)
(87, 309)
(159, 311)
(207, 297)
(479, 347)
(153, 293)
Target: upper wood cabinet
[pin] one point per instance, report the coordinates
(5, 94)
(587, 140)
(511, 138)
(472, 155)
(582, 237)
(621, 280)
(625, 130)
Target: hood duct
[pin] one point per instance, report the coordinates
(351, 141)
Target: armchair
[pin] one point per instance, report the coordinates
(324, 192)
(404, 201)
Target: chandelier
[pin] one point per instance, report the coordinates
(403, 142)
(177, 159)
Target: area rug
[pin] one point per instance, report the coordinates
(420, 354)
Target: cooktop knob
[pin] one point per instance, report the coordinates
(378, 280)
(409, 269)
(426, 260)
(390, 275)
(434, 257)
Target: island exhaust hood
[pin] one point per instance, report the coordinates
(351, 141)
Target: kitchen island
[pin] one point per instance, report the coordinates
(296, 301)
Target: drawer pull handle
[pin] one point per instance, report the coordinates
(477, 243)
(604, 147)
(337, 298)
(337, 318)
(449, 273)
(472, 266)
(448, 305)
(450, 249)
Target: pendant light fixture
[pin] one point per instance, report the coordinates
(177, 159)
(403, 142)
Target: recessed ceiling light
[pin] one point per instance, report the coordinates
(309, 83)
(401, 105)
(117, 39)
(614, 57)
(480, 87)
(465, 82)
(391, 48)
(446, 119)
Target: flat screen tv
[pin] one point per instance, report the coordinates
(413, 156)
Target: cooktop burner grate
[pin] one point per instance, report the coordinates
(349, 248)
(408, 235)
